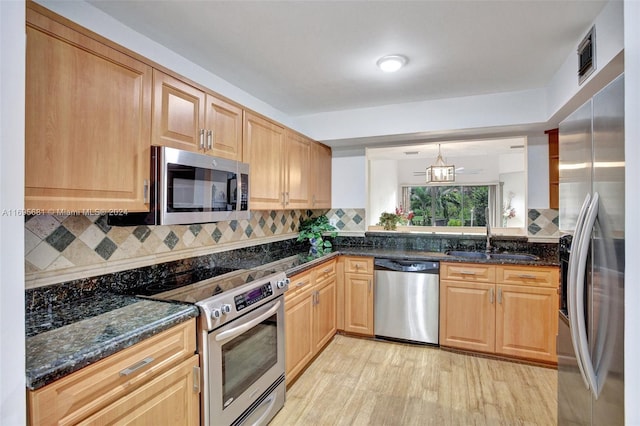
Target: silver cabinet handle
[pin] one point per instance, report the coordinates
(209, 139)
(137, 366)
(467, 273)
(201, 138)
(527, 276)
(301, 284)
(500, 296)
(196, 379)
(491, 295)
(145, 190)
(286, 198)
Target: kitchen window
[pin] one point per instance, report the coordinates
(450, 205)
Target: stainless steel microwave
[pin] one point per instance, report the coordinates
(187, 187)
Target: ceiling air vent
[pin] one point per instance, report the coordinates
(587, 55)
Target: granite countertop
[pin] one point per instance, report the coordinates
(61, 341)
(63, 338)
(443, 257)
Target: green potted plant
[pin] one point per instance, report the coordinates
(312, 229)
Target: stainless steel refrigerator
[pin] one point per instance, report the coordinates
(591, 327)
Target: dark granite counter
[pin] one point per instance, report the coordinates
(66, 340)
(73, 324)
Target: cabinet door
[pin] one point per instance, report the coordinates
(467, 315)
(297, 171)
(324, 313)
(527, 322)
(264, 141)
(88, 115)
(170, 399)
(320, 176)
(358, 304)
(178, 114)
(224, 120)
(298, 335)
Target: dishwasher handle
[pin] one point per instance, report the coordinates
(420, 266)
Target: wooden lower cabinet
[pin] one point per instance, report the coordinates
(508, 310)
(467, 316)
(157, 378)
(310, 316)
(358, 295)
(527, 322)
(298, 325)
(169, 399)
(324, 313)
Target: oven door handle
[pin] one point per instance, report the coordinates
(236, 331)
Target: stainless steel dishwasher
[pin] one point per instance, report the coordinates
(407, 294)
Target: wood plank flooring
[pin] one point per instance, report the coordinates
(365, 382)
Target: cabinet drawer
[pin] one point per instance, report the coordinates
(299, 288)
(326, 270)
(359, 265)
(528, 275)
(468, 272)
(73, 398)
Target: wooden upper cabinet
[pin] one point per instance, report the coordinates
(88, 120)
(320, 176)
(178, 113)
(554, 171)
(264, 142)
(296, 171)
(191, 119)
(224, 121)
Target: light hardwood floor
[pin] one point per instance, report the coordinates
(365, 382)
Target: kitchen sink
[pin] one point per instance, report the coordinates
(496, 256)
(469, 254)
(513, 256)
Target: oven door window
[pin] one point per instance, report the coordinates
(247, 357)
(194, 189)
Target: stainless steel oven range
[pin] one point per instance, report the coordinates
(241, 343)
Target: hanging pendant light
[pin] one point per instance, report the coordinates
(441, 172)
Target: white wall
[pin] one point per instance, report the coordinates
(609, 42)
(538, 172)
(348, 188)
(383, 176)
(632, 202)
(12, 352)
(500, 109)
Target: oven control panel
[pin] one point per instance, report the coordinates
(255, 295)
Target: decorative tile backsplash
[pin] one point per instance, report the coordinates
(348, 220)
(61, 242)
(542, 222)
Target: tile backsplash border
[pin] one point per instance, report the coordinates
(64, 248)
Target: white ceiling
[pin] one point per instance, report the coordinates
(304, 57)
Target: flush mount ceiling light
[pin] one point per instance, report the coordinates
(391, 63)
(441, 172)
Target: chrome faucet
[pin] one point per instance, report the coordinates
(486, 215)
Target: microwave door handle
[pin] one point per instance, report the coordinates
(236, 331)
(583, 343)
(572, 284)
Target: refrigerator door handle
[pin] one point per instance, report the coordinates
(572, 285)
(585, 354)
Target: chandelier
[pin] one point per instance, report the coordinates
(441, 172)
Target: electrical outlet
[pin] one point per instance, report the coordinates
(333, 221)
